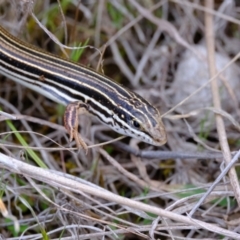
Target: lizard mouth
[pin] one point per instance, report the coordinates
(159, 135)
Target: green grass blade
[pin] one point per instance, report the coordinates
(33, 155)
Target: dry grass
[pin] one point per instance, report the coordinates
(125, 189)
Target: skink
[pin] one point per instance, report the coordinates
(81, 89)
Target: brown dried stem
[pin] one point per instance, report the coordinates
(216, 99)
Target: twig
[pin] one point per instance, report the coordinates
(207, 10)
(216, 99)
(148, 154)
(48, 176)
(204, 85)
(160, 154)
(164, 26)
(224, 172)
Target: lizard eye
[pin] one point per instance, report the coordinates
(136, 124)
